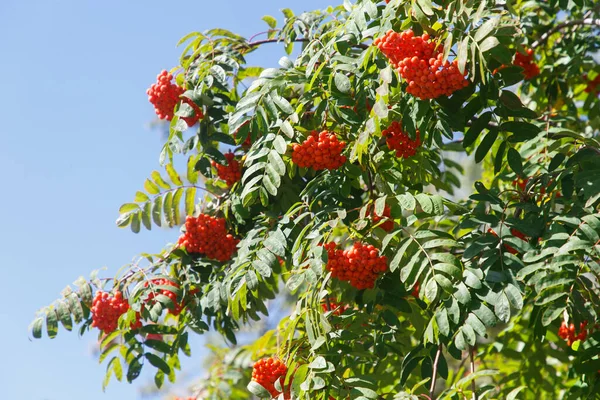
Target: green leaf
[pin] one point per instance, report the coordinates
(190, 200)
(476, 127)
(485, 145)
(513, 393)
(514, 160)
(159, 180)
(502, 308)
(342, 82)
(407, 201)
(36, 327)
(488, 44)
(276, 163)
(463, 51)
(173, 175)
(150, 187)
(157, 211)
(158, 362)
(485, 29)
(425, 202)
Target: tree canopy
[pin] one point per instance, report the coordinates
(336, 181)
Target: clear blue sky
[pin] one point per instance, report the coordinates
(75, 146)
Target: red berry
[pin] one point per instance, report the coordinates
(525, 61)
(208, 236)
(319, 151)
(360, 265)
(267, 371)
(388, 224)
(397, 140)
(106, 310)
(178, 307)
(230, 173)
(336, 308)
(418, 60)
(165, 95)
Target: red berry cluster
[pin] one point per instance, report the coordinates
(106, 310)
(164, 96)
(336, 308)
(525, 61)
(165, 282)
(267, 371)
(230, 173)
(592, 86)
(208, 236)
(359, 265)
(397, 140)
(319, 151)
(388, 225)
(420, 62)
(568, 333)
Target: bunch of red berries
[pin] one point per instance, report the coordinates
(230, 173)
(165, 95)
(319, 151)
(208, 236)
(568, 333)
(525, 61)
(388, 224)
(106, 310)
(592, 86)
(267, 371)
(399, 141)
(359, 265)
(165, 282)
(336, 308)
(420, 62)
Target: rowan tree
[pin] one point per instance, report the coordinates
(329, 179)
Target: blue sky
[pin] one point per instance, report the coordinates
(75, 146)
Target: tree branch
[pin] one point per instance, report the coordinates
(578, 22)
(435, 368)
(473, 387)
(298, 40)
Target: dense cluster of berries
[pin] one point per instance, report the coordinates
(267, 371)
(420, 62)
(164, 96)
(208, 236)
(336, 308)
(106, 310)
(525, 61)
(568, 333)
(165, 282)
(388, 223)
(319, 151)
(359, 265)
(592, 86)
(230, 173)
(399, 141)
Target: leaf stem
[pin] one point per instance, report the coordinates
(578, 22)
(435, 368)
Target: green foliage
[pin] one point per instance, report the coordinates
(476, 288)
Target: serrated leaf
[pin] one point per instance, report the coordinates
(342, 82)
(488, 44)
(514, 161)
(173, 175)
(463, 51)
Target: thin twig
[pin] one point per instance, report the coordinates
(435, 368)
(578, 22)
(473, 388)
